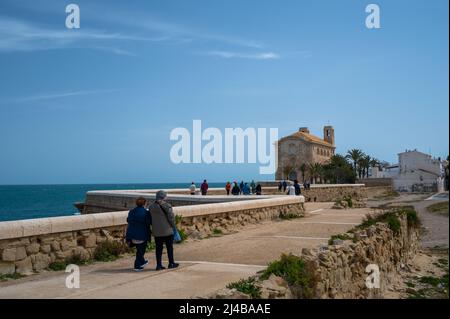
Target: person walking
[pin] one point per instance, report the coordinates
(280, 186)
(246, 189)
(290, 189)
(284, 186)
(241, 187)
(192, 188)
(253, 186)
(235, 190)
(228, 188)
(258, 189)
(204, 187)
(297, 187)
(163, 225)
(138, 232)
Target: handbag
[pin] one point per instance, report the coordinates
(176, 234)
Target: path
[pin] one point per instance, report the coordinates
(206, 265)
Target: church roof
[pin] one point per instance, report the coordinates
(310, 138)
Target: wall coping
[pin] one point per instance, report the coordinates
(52, 225)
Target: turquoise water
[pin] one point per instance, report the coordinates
(36, 201)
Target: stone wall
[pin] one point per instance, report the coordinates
(107, 201)
(339, 270)
(341, 267)
(32, 245)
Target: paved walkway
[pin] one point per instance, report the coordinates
(206, 265)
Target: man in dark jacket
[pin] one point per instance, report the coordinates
(204, 187)
(138, 232)
(298, 190)
(235, 190)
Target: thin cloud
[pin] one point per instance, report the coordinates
(18, 35)
(240, 55)
(52, 96)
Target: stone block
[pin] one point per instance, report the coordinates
(90, 241)
(7, 267)
(46, 248)
(33, 248)
(24, 266)
(21, 253)
(40, 261)
(9, 254)
(56, 246)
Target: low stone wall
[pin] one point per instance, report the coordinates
(341, 268)
(107, 201)
(32, 245)
(330, 193)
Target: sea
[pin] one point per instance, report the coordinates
(38, 201)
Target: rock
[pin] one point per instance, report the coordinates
(227, 293)
(274, 288)
(33, 248)
(9, 254)
(40, 261)
(21, 253)
(56, 246)
(90, 241)
(24, 266)
(81, 252)
(337, 241)
(46, 249)
(7, 267)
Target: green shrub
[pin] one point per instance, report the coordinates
(413, 218)
(246, 286)
(393, 222)
(288, 216)
(150, 246)
(178, 219)
(13, 276)
(110, 250)
(295, 271)
(58, 265)
(349, 201)
(217, 231)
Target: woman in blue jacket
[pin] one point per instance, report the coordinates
(138, 232)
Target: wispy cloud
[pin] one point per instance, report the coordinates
(52, 96)
(18, 35)
(241, 55)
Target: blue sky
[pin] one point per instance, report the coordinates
(97, 104)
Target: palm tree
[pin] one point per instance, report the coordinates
(287, 170)
(314, 171)
(366, 162)
(354, 155)
(303, 169)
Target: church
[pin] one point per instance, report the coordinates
(302, 147)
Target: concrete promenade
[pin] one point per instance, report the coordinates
(206, 265)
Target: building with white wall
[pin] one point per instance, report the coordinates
(415, 172)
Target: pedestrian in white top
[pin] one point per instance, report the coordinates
(192, 188)
(290, 189)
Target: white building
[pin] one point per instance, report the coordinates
(415, 172)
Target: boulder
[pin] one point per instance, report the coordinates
(274, 288)
(24, 266)
(227, 293)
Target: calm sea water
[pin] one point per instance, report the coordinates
(36, 201)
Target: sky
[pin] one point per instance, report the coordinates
(97, 104)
